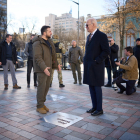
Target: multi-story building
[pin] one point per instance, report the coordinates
(65, 22)
(3, 18)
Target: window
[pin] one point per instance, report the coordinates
(130, 38)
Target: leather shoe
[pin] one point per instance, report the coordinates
(138, 85)
(91, 110)
(107, 85)
(96, 113)
(121, 91)
(35, 84)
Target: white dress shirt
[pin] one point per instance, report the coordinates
(93, 33)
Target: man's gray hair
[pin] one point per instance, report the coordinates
(73, 40)
(93, 20)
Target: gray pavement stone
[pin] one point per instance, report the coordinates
(93, 138)
(135, 128)
(103, 120)
(15, 119)
(1, 136)
(120, 120)
(106, 131)
(122, 128)
(115, 123)
(26, 134)
(80, 111)
(131, 111)
(129, 136)
(2, 124)
(93, 127)
(80, 135)
(66, 131)
(109, 138)
(80, 123)
(120, 110)
(108, 117)
(60, 134)
(38, 138)
(69, 137)
(12, 128)
(137, 124)
(5, 138)
(42, 128)
(48, 125)
(128, 105)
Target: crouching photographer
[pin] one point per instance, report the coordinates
(129, 74)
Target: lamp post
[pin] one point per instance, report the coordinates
(78, 22)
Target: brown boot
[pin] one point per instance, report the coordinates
(41, 110)
(47, 109)
(16, 86)
(6, 87)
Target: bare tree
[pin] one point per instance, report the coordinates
(121, 12)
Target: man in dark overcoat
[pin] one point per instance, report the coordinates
(97, 50)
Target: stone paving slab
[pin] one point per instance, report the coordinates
(20, 121)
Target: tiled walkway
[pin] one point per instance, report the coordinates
(20, 121)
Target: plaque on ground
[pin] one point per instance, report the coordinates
(62, 119)
(54, 97)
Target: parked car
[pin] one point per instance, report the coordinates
(21, 63)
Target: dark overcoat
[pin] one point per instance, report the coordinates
(3, 52)
(97, 50)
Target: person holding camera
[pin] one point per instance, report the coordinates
(136, 52)
(110, 61)
(129, 73)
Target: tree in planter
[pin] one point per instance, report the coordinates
(122, 12)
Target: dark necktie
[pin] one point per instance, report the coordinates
(90, 37)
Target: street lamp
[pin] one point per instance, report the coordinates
(78, 21)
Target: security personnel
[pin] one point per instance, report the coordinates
(60, 49)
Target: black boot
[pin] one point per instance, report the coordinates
(61, 85)
(121, 91)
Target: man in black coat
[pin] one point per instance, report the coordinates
(97, 50)
(8, 58)
(29, 52)
(110, 63)
(136, 51)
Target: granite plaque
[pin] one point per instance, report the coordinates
(62, 119)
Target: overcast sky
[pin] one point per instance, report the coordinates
(39, 9)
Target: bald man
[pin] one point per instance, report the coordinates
(97, 50)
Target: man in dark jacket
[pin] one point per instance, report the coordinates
(29, 52)
(136, 51)
(44, 60)
(110, 63)
(75, 57)
(97, 50)
(8, 58)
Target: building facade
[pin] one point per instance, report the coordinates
(65, 22)
(3, 18)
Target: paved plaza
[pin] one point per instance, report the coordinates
(20, 121)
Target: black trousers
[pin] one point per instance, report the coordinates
(29, 68)
(129, 85)
(139, 76)
(96, 97)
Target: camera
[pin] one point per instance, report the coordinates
(116, 60)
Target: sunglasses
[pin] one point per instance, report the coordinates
(87, 25)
